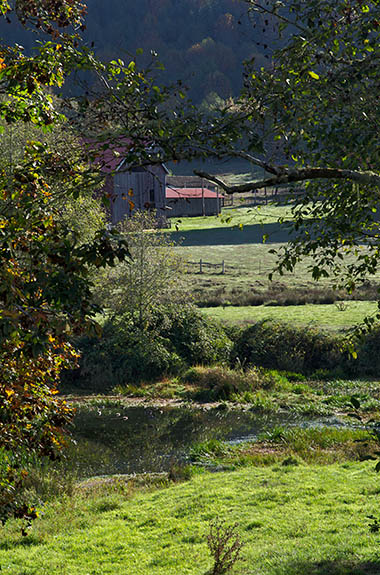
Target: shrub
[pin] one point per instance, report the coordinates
(126, 354)
(196, 339)
(277, 345)
(122, 355)
(368, 354)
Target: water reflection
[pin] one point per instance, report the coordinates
(145, 439)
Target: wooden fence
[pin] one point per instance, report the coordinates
(202, 264)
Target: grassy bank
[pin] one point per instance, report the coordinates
(267, 391)
(293, 519)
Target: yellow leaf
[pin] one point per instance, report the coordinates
(313, 75)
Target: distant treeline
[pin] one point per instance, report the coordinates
(201, 42)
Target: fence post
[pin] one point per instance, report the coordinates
(223, 267)
(203, 199)
(200, 267)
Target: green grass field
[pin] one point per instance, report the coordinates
(334, 316)
(246, 271)
(247, 259)
(246, 267)
(293, 520)
(233, 217)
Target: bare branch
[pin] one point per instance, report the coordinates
(292, 176)
(257, 7)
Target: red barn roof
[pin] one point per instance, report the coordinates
(182, 193)
(108, 155)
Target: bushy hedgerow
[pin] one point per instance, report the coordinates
(125, 354)
(278, 345)
(368, 355)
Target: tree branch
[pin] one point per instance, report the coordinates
(292, 176)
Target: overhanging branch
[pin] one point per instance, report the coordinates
(290, 176)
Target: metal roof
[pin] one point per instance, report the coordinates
(183, 193)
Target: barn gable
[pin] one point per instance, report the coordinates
(138, 189)
(129, 188)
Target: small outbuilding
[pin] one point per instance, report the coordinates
(182, 202)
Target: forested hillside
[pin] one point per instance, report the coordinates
(202, 42)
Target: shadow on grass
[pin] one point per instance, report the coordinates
(27, 541)
(277, 233)
(336, 567)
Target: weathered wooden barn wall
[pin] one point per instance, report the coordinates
(179, 207)
(138, 189)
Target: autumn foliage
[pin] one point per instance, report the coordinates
(45, 287)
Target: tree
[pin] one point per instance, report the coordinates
(45, 267)
(151, 279)
(45, 283)
(315, 109)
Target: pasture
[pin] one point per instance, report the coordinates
(236, 238)
(341, 315)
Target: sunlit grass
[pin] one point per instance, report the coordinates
(334, 316)
(294, 519)
(234, 216)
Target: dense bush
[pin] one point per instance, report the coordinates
(125, 354)
(281, 346)
(368, 354)
(196, 339)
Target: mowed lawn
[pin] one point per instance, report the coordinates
(294, 520)
(333, 316)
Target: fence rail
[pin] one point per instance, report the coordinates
(203, 264)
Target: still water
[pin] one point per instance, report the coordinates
(117, 439)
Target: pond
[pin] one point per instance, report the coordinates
(123, 439)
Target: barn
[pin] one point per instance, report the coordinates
(182, 202)
(130, 188)
(138, 189)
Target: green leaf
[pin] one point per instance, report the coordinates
(313, 75)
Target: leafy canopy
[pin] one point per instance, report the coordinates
(45, 283)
